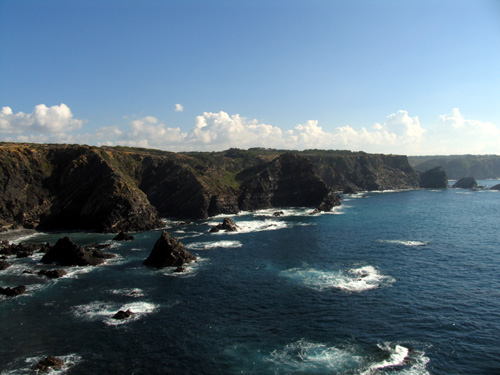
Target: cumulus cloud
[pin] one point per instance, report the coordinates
(43, 119)
(400, 133)
(179, 108)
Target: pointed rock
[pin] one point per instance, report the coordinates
(168, 252)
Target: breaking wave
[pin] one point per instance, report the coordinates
(214, 245)
(104, 311)
(406, 243)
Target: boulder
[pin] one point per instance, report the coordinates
(465, 183)
(123, 236)
(496, 187)
(49, 363)
(67, 253)
(168, 252)
(227, 225)
(278, 213)
(331, 200)
(12, 292)
(52, 274)
(120, 315)
(434, 178)
(4, 265)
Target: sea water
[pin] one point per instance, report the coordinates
(404, 282)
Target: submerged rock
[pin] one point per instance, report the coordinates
(168, 252)
(465, 183)
(67, 253)
(227, 225)
(52, 274)
(48, 363)
(123, 236)
(12, 292)
(434, 178)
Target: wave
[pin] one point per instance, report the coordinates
(353, 280)
(214, 245)
(27, 365)
(128, 292)
(254, 226)
(189, 269)
(104, 311)
(406, 242)
(308, 357)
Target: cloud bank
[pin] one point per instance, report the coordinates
(400, 133)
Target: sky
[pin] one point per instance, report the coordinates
(413, 77)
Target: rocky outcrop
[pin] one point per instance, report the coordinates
(4, 265)
(123, 314)
(288, 181)
(227, 225)
(122, 236)
(168, 252)
(49, 363)
(496, 187)
(465, 183)
(67, 253)
(13, 292)
(434, 178)
(52, 274)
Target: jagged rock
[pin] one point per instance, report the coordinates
(52, 274)
(465, 183)
(278, 213)
(67, 253)
(496, 187)
(434, 178)
(49, 363)
(21, 250)
(168, 252)
(349, 190)
(12, 292)
(227, 225)
(330, 201)
(4, 265)
(122, 236)
(123, 314)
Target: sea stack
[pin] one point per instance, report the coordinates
(168, 252)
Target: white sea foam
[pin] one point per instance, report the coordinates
(254, 226)
(309, 357)
(128, 292)
(27, 366)
(353, 280)
(104, 311)
(189, 269)
(406, 242)
(214, 245)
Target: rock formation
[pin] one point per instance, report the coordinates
(4, 265)
(120, 315)
(122, 236)
(434, 178)
(13, 292)
(227, 225)
(496, 187)
(49, 363)
(465, 183)
(168, 252)
(67, 253)
(52, 274)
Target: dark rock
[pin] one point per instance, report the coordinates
(4, 265)
(278, 213)
(24, 254)
(49, 363)
(122, 236)
(12, 292)
(496, 187)
(331, 200)
(465, 183)
(98, 246)
(21, 250)
(227, 225)
(349, 190)
(434, 178)
(28, 272)
(123, 314)
(180, 269)
(52, 274)
(67, 253)
(168, 252)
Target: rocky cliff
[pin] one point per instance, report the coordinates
(112, 189)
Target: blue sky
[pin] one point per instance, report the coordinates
(411, 77)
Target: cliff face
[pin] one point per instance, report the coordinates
(122, 189)
(458, 166)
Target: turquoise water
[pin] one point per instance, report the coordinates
(390, 283)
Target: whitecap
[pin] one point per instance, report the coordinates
(189, 269)
(352, 280)
(406, 242)
(255, 226)
(400, 359)
(128, 292)
(214, 245)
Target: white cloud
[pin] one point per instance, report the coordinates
(179, 108)
(43, 119)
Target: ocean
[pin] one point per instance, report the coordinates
(402, 282)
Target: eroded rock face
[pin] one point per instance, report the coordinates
(288, 181)
(434, 178)
(67, 253)
(168, 252)
(465, 183)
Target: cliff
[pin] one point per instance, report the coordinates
(113, 189)
(458, 166)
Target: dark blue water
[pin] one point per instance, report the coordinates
(391, 283)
